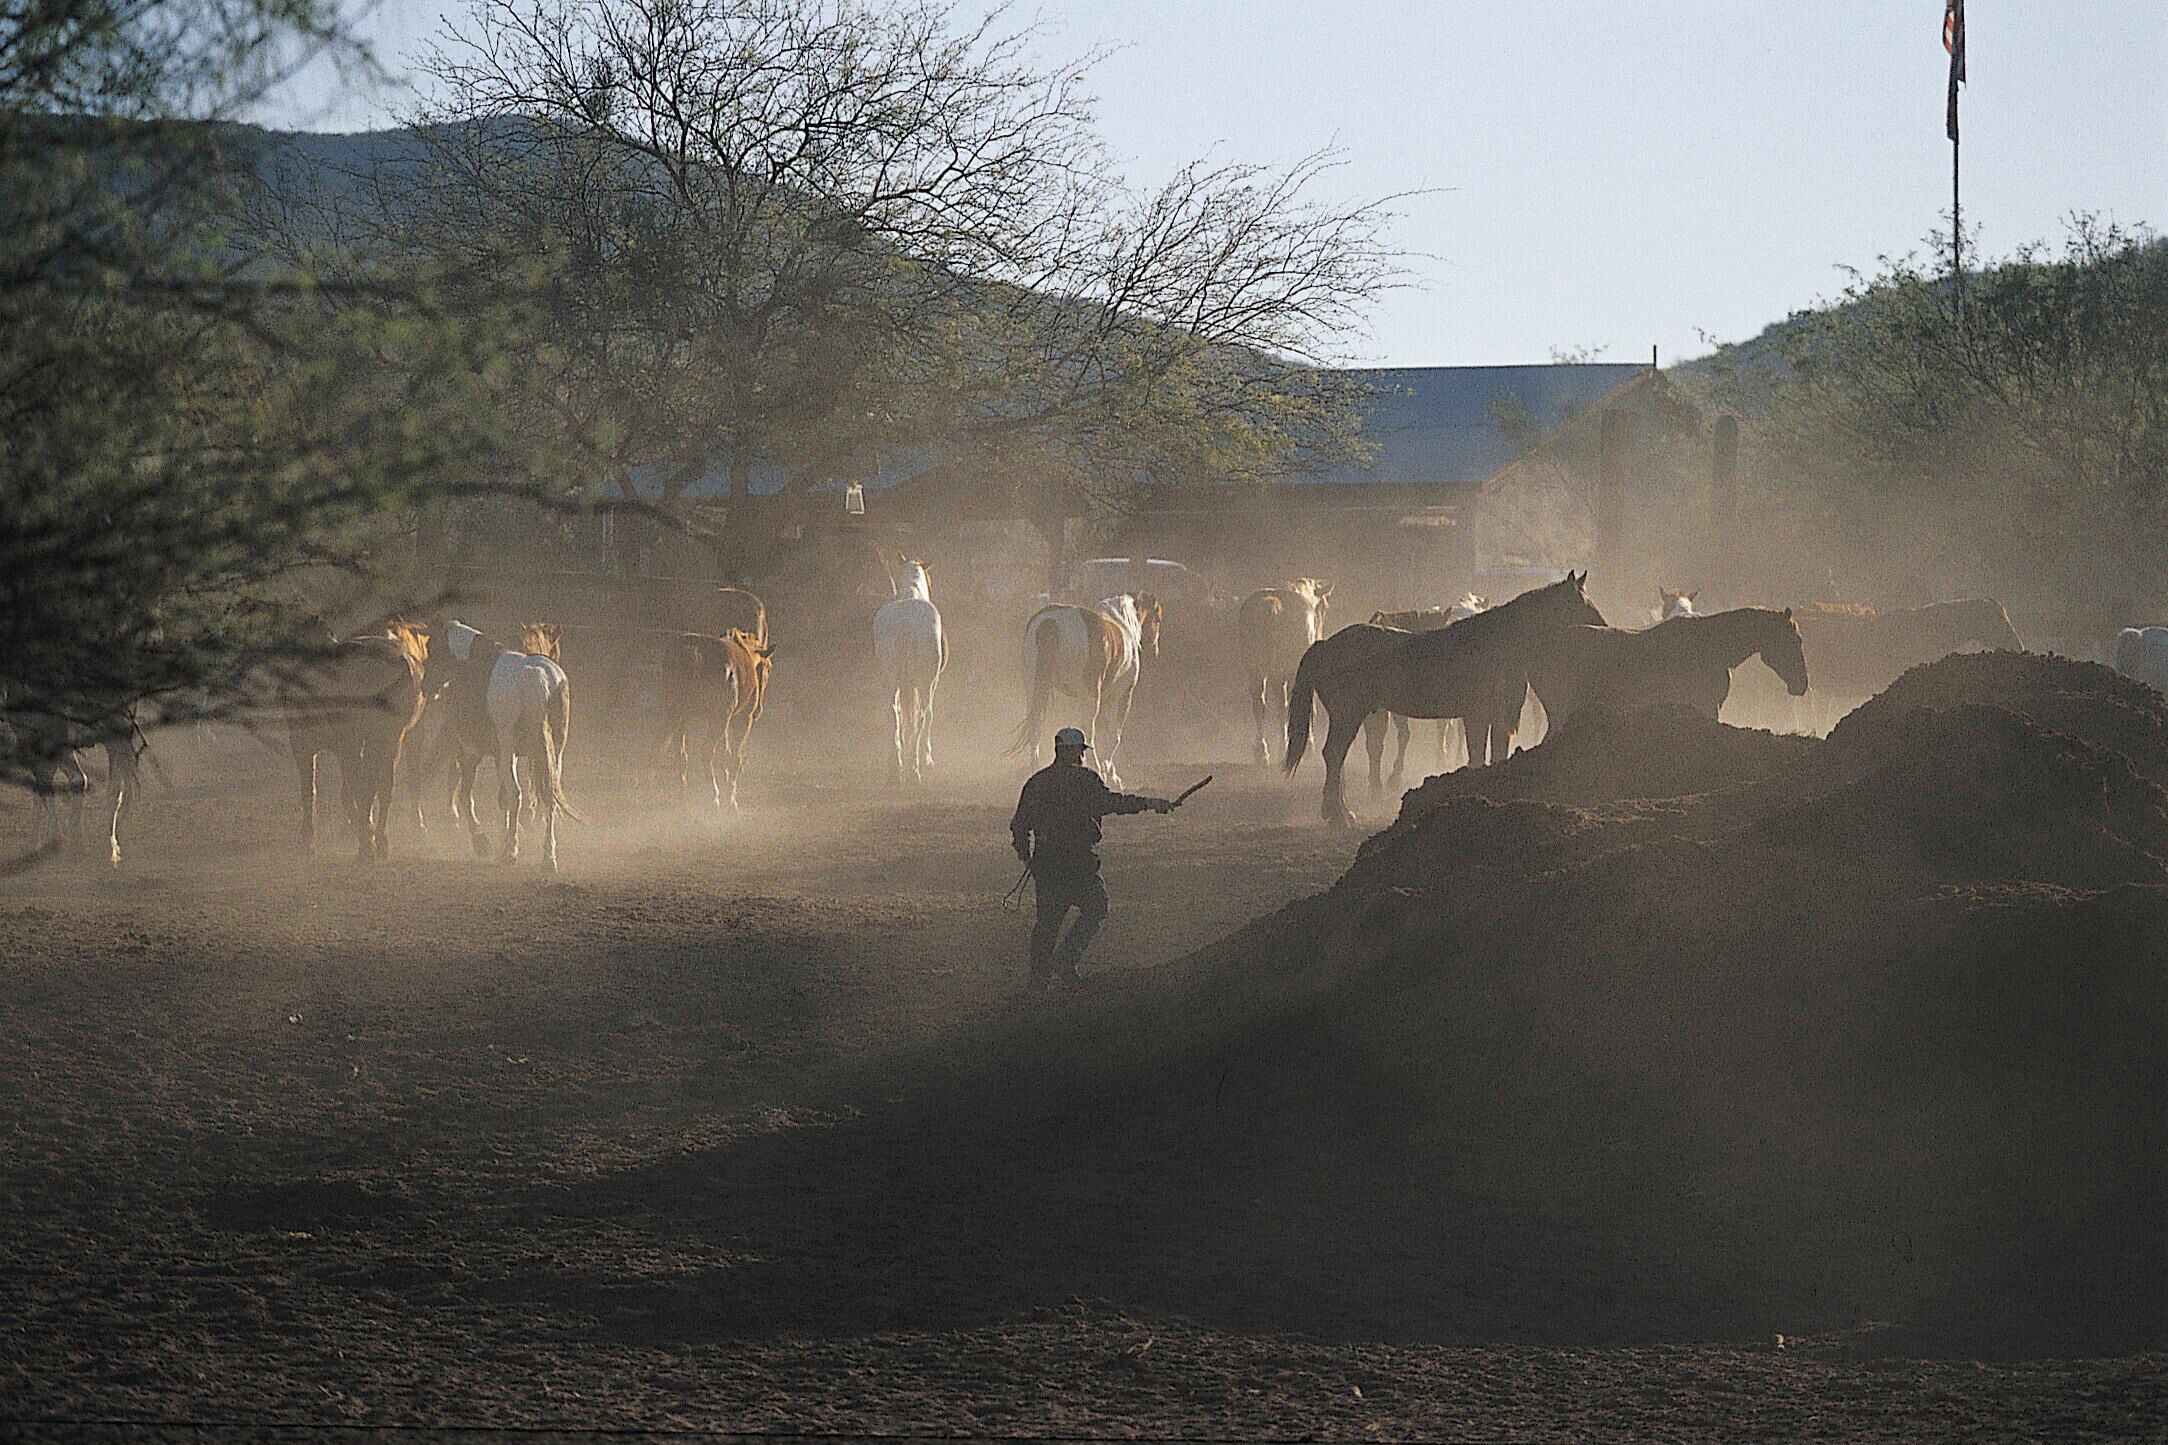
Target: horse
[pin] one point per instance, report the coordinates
(526, 700)
(2142, 653)
(1095, 653)
(910, 651)
(1859, 651)
(1425, 619)
(464, 737)
(1273, 627)
(43, 752)
(1688, 659)
(720, 681)
(1670, 604)
(1476, 670)
(359, 706)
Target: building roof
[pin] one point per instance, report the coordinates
(1462, 425)
(1436, 425)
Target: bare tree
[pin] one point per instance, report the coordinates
(790, 232)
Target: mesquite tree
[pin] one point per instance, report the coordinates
(787, 233)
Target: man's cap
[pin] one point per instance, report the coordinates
(1070, 738)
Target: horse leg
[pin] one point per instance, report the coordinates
(718, 741)
(463, 785)
(1401, 729)
(895, 707)
(508, 800)
(384, 776)
(1338, 740)
(305, 765)
(925, 727)
(120, 782)
(1374, 745)
(1261, 711)
(78, 793)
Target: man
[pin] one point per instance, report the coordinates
(1056, 832)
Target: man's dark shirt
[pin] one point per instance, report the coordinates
(1061, 806)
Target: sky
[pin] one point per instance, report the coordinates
(1589, 178)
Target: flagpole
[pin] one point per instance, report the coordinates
(1953, 41)
(1957, 222)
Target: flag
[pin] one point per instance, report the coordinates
(1953, 40)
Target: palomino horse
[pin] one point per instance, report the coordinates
(359, 707)
(1688, 659)
(1422, 619)
(1273, 628)
(1858, 651)
(527, 702)
(718, 683)
(1475, 670)
(910, 650)
(1093, 653)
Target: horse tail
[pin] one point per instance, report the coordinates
(556, 731)
(1045, 648)
(1300, 699)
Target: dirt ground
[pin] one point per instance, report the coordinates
(751, 1127)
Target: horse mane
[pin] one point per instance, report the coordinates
(541, 639)
(1856, 610)
(413, 639)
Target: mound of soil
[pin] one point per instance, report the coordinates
(2083, 699)
(1756, 1027)
(1600, 756)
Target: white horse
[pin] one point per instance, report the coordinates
(910, 649)
(1094, 653)
(2142, 653)
(1672, 604)
(528, 703)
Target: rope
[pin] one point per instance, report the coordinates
(1013, 900)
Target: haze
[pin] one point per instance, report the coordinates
(1602, 178)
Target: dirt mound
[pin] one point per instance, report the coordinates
(1814, 1031)
(1601, 756)
(1979, 794)
(2083, 699)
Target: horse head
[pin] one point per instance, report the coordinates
(1675, 604)
(1566, 601)
(913, 578)
(1786, 654)
(1315, 592)
(413, 640)
(1150, 614)
(445, 663)
(542, 639)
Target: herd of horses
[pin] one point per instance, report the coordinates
(447, 699)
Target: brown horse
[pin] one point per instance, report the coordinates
(1273, 628)
(1688, 659)
(1859, 651)
(1092, 653)
(718, 682)
(1421, 619)
(1475, 670)
(359, 706)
